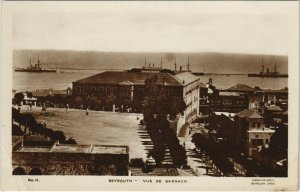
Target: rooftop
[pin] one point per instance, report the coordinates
(274, 108)
(186, 77)
(46, 92)
(249, 114)
(137, 78)
(265, 130)
(240, 87)
(225, 93)
(68, 148)
(273, 91)
(225, 113)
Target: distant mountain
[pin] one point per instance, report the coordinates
(208, 62)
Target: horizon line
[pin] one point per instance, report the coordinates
(164, 52)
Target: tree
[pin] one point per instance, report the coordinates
(156, 108)
(16, 130)
(78, 101)
(30, 122)
(29, 94)
(70, 141)
(58, 135)
(19, 97)
(109, 101)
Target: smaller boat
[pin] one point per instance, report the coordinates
(35, 68)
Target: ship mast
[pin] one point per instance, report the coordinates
(175, 64)
(275, 67)
(188, 64)
(262, 66)
(38, 58)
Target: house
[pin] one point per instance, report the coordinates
(241, 88)
(214, 100)
(273, 97)
(251, 131)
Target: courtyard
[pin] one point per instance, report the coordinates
(97, 128)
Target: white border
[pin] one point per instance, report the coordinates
(9, 182)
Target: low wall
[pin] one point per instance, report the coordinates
(51, 163)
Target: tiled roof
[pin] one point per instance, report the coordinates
(186, 77)
(117, 77)
(274, 108)
(250, 114)
(202, 84)
(126, 83)
(240, 87)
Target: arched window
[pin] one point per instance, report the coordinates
(19, 171)
(35, 171)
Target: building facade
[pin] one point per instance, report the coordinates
(52, 158)
(251, 131)
(130, 85)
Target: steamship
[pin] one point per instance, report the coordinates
(262, 73)
(35, 68)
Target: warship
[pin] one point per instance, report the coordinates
(262, 73)
(35, 68)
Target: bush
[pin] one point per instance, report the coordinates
(58, 135)
(16, 130)
(69, 141)
(137, 162)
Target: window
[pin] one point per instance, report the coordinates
(78, 90)
(101, 90)
(257, 142)
(140, 91)
(179, 92)
(170, 92)
(114, 90)
(253, 124)
(258, 125)
(85, 89)
(108, 90)
(93, 88)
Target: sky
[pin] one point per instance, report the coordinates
(175, 27)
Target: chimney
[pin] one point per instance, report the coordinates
(175, 64)
(183, 82)
(180, 68)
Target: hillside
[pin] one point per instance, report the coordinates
(207, 62)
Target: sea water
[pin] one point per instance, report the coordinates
(63, 80)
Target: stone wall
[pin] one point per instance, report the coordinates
(72, 163)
